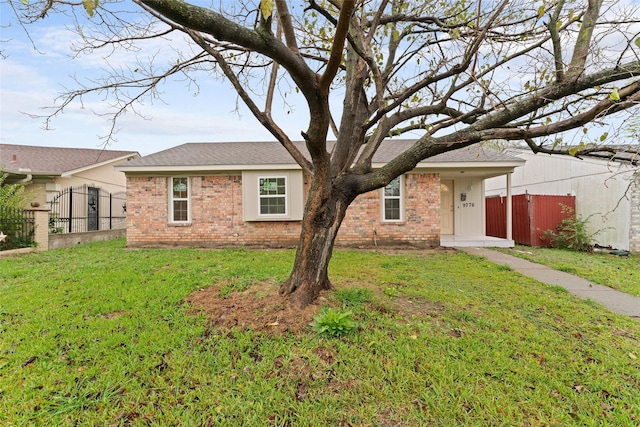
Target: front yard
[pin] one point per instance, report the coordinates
(104, 336)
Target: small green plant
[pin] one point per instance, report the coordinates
(333, 323)
(572, 233)
(54, 227)
(390, 292)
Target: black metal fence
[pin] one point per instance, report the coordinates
(17, 228)
(85, 208)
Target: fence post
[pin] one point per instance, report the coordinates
(41, 227)
(70, 209)
(110, 211)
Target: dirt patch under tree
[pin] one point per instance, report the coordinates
(258, 308)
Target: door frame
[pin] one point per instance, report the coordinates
(450, 183)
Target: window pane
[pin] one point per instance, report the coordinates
(272, 206)
(272, 186)
(393, 189)
(180, 188)
(392, 209)
(180, 212)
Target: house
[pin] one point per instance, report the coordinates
(49, 170)
(253, 193)
(607, 192)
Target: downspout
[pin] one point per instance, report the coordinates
(28, 178)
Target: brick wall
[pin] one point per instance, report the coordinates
(217, 220)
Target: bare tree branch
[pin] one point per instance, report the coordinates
(342, 29)
(264, 118)
(287, 26)
(583, 41)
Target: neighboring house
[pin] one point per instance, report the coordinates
(606, 192)
(253, 193)
(49, 170)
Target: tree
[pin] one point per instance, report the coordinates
(13, 195)
(450, 72)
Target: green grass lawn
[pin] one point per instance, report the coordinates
(98, 335)
(619, 272)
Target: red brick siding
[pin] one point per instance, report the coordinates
(421, 224)
(216, 216)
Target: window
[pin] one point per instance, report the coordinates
(179, 200)
(273, 195)
(392, 201)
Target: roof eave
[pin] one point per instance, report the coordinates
(292, 166)
(464, 165)
(97, 165)
(203, 168)
(26, 172)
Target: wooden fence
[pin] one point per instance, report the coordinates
(532, 215)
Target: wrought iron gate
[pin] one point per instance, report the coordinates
(87, 208)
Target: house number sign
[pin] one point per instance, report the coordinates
(469, 205)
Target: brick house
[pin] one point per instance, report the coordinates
(253, 193)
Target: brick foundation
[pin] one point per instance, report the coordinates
(217, 219)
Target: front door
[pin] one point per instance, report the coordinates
(446, 207)
(92, 209)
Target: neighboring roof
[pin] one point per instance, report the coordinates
(271, 155)
(37, 160)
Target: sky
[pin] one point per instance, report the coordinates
(36, 66)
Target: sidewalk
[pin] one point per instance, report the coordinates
(616, 301)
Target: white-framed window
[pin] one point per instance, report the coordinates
(392, 200)
(272, 194)
(179, 200)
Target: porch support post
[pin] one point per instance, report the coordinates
(509, 209)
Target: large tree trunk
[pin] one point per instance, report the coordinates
(324, 212)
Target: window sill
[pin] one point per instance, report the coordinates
(179, 224)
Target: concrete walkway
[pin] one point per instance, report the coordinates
(616, 301)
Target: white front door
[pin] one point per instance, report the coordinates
(446, 207)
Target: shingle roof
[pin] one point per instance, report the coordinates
(53, 160)
(272, 153)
